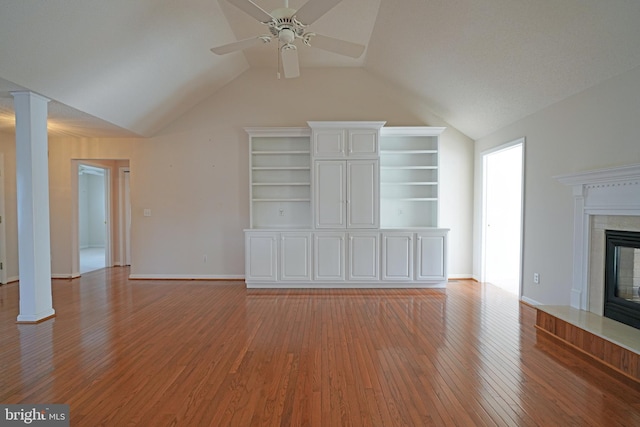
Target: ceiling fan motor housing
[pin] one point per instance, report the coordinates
(284, 20)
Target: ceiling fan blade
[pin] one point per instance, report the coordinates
(341, 47)
(239, 45)
(252, 9)
(290, 64)
(314, 9)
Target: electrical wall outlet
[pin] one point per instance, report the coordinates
(536, 278)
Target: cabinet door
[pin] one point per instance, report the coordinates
(397, 256)
(295, 256)
(329, 195)
(329, 256)
(363, 199)
(362, 143)
(261, 259)
(430, 257)
(364, 255)
(328, 143)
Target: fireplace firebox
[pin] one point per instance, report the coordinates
(622, 277)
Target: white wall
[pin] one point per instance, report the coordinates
(96, 211)
(8, 147)
(594, 129)
(193, 175)
(83, 211)
(63, 181)
(91, 211)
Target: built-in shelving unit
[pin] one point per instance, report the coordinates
(409, 177)
(344, 204)
(280, 178)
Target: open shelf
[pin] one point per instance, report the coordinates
(409, 177)
(280, 165)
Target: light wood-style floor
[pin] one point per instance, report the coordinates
(197, 353)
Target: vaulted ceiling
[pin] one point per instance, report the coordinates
(123, 67)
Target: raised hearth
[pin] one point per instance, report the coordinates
(603, 199)
(611, 343)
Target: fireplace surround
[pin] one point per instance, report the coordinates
(613, 192)
(606, 199)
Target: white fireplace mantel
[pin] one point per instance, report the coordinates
(613, 191)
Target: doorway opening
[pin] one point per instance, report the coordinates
(503, 190)
(93, 217)
(3, 234)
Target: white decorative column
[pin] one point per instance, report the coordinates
(32, 173)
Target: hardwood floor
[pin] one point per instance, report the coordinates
(194, 353)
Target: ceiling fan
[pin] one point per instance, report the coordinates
(288, 25)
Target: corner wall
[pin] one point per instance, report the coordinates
(193, 175)
(194, 178)
(594, 129)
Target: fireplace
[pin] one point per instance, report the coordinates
(622, 277)
(604, 199)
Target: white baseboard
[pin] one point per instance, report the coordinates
(65, 276)
(345, 285)
(460, 276)
(530, 301)
(185, 277)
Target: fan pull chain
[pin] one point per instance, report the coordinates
(278, 55)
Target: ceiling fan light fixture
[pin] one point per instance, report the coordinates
(286, 36)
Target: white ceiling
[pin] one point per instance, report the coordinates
(122, 67)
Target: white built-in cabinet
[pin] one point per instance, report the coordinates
(329, 256)
(345, 139)
(346, 193)
(344, 204)
(363, 256)
(295, 256)
(261, 258)
(397, 256)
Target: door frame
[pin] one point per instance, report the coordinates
(483, 245)
(3, 234)
(124, 215)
